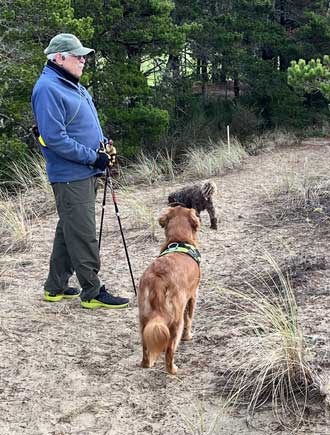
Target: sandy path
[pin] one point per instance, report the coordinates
(65, 370)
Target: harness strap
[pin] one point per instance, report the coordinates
(185, 248)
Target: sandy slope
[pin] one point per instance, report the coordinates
(65, 370)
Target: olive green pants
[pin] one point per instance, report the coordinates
(75, 247)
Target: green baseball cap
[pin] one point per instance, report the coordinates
(65, 42)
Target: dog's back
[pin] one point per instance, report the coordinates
(154, 318)
(166, 288)
(189, 195)
(197, 196)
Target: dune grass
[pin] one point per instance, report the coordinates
(271, 359)
(213, 160)
(30, 178)
(141, 215)
(204, 158)
(300, 197)
(305, 191)
(200, 420)
(150, 170)
(15, 223)
(270, 140)
(25, 196)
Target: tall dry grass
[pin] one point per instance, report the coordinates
(199, 419)
(213, 160)
(270, 140)
(271, 360)
(141, 215)
(30, 178)
(150, 170)
(302, 196)
(305, 191)
(26, 196)
(15, 223)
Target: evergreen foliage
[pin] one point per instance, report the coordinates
(311, 76)
(161, 66)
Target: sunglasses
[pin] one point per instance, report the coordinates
(79, 57)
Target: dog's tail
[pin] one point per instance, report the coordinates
(156, 336)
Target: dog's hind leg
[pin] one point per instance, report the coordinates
(169, 357)
(188, 316)
(145, 363)
(176, 333)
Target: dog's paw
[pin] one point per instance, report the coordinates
(214, 224)
(187, 337)
(145, 364)
(172, 370)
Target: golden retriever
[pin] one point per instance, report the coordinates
(168, 291)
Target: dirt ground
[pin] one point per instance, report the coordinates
(65, 370)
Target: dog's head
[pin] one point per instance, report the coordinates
(208, 189)
(181, 224)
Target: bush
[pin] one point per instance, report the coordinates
(244, 121)
(141, 127)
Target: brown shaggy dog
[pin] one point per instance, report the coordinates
(168, 291)
(197, 196)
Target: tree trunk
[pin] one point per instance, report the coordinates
(236, 88)
(173, 65)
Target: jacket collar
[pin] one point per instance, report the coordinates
(62, 72)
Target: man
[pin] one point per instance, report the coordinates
(70, 136)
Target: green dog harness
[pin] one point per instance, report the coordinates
(185, 248)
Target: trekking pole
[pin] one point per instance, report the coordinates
(103, 207)
(108, 181)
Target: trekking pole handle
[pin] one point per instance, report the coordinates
(104, 143)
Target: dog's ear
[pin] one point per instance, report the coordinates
(194, 219)
(165, 217)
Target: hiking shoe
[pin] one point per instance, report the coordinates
(105, 300)
(69, 293)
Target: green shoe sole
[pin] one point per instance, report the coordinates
(94, 303)
(57, 298)
(71, 296)
(48, 297)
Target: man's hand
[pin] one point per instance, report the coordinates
(106, 155)
(102, 160)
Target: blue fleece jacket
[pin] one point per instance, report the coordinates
(69, 126)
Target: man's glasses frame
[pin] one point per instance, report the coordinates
(78, 57)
